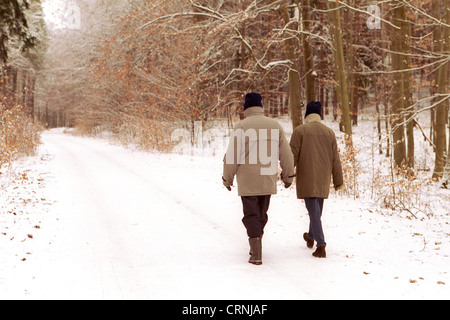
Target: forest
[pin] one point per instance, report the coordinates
(140, 68)
(115, 116)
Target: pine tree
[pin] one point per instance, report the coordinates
(14, 25)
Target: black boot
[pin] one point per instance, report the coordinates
(255, 250)
(309, 243)
(320, 252)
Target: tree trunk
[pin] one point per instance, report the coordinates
(308, 58)
(243, 51)
(293, 74)
(445, 183)
(407, 94)
(442, 44)
(353, 25)
(387, 126)
(341, 73)
(398, 129)
(380, 144)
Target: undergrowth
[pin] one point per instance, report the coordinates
(19, 136)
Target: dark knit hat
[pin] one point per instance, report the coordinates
(314, 107)
(252, 99)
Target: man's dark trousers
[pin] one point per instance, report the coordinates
(315, 207)
(255, 214)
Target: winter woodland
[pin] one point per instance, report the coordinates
(168, 77)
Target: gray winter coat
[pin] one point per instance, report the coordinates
(257, 145)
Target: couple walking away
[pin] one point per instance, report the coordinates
(312, 151)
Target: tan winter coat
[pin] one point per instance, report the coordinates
(316, 158)
(249, 155)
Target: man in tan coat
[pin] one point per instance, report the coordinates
(317, 160)
(256, 146)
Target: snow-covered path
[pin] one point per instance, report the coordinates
(127, 235)
(132, 225)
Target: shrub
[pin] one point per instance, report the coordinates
(351, 168)
(18, 134)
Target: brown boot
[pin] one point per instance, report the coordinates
(320, 252)
(250, 252)
(309, 243)
(256, 250)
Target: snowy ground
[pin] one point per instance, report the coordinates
(86, 219)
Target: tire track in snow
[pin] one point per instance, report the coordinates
(105, 204)
(151, 241)
(85, 205)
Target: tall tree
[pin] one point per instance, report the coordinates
(441, 37)
(400, 86)
(295, 101)
(308, 57)
(340, 68)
